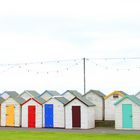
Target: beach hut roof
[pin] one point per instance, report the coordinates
(16, 98)
(40, 100)
(12, 94)
(33, 93)
(119, 92)
(131, 97)
(19, 100)
(51, 93)
(99, 93)
(83, 100)
(73, 92)
(62, 100)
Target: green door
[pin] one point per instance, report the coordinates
(127, 115)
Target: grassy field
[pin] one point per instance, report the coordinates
(29, 135)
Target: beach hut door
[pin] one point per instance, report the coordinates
(31, 116)
(76, 116)
(49, 115)
(10, 113)
(127, 115)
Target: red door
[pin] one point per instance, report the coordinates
(31, 116)
(76, 116)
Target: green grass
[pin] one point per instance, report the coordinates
(29, 135)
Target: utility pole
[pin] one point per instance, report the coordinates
(84, 73)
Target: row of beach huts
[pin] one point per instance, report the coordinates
(69, 110)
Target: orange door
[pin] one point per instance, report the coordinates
(10, 113)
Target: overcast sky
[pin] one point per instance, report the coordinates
(44, 30)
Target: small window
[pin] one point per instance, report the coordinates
(115, 96)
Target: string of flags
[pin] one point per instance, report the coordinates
(117, 64)
(43, 67)
(47, 67)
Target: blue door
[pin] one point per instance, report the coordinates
(127, 115)
(49, 115)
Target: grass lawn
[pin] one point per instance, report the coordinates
(29, 135)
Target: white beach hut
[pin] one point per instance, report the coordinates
(127, 113)
(11, 110)
(110, 99)
(54, 112)
(79, 113)
(97, 98)
(32, 113)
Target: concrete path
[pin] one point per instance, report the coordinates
(95, 130)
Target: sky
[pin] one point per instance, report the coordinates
(48, 31)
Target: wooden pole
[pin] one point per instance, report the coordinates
(84, 73)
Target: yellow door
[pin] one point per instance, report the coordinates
(10, 115)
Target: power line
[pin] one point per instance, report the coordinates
(116, 58)
(66, 64)
(68, 60)
(40, 62)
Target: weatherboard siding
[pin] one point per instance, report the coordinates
(87, 115)
(91, 117)
(58, 113)
(17, 109)
(99, 102)
(110, 108)
(38, 114)
(135, 114)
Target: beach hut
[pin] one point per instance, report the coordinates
(27, 94)
(70, 94)
(79, 113)
(11, 110)
(110, 99)
(127, 113)
(47, 94)
(97, 98)
(32, 113)
(53, 112)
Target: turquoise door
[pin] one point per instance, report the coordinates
(127, 115)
